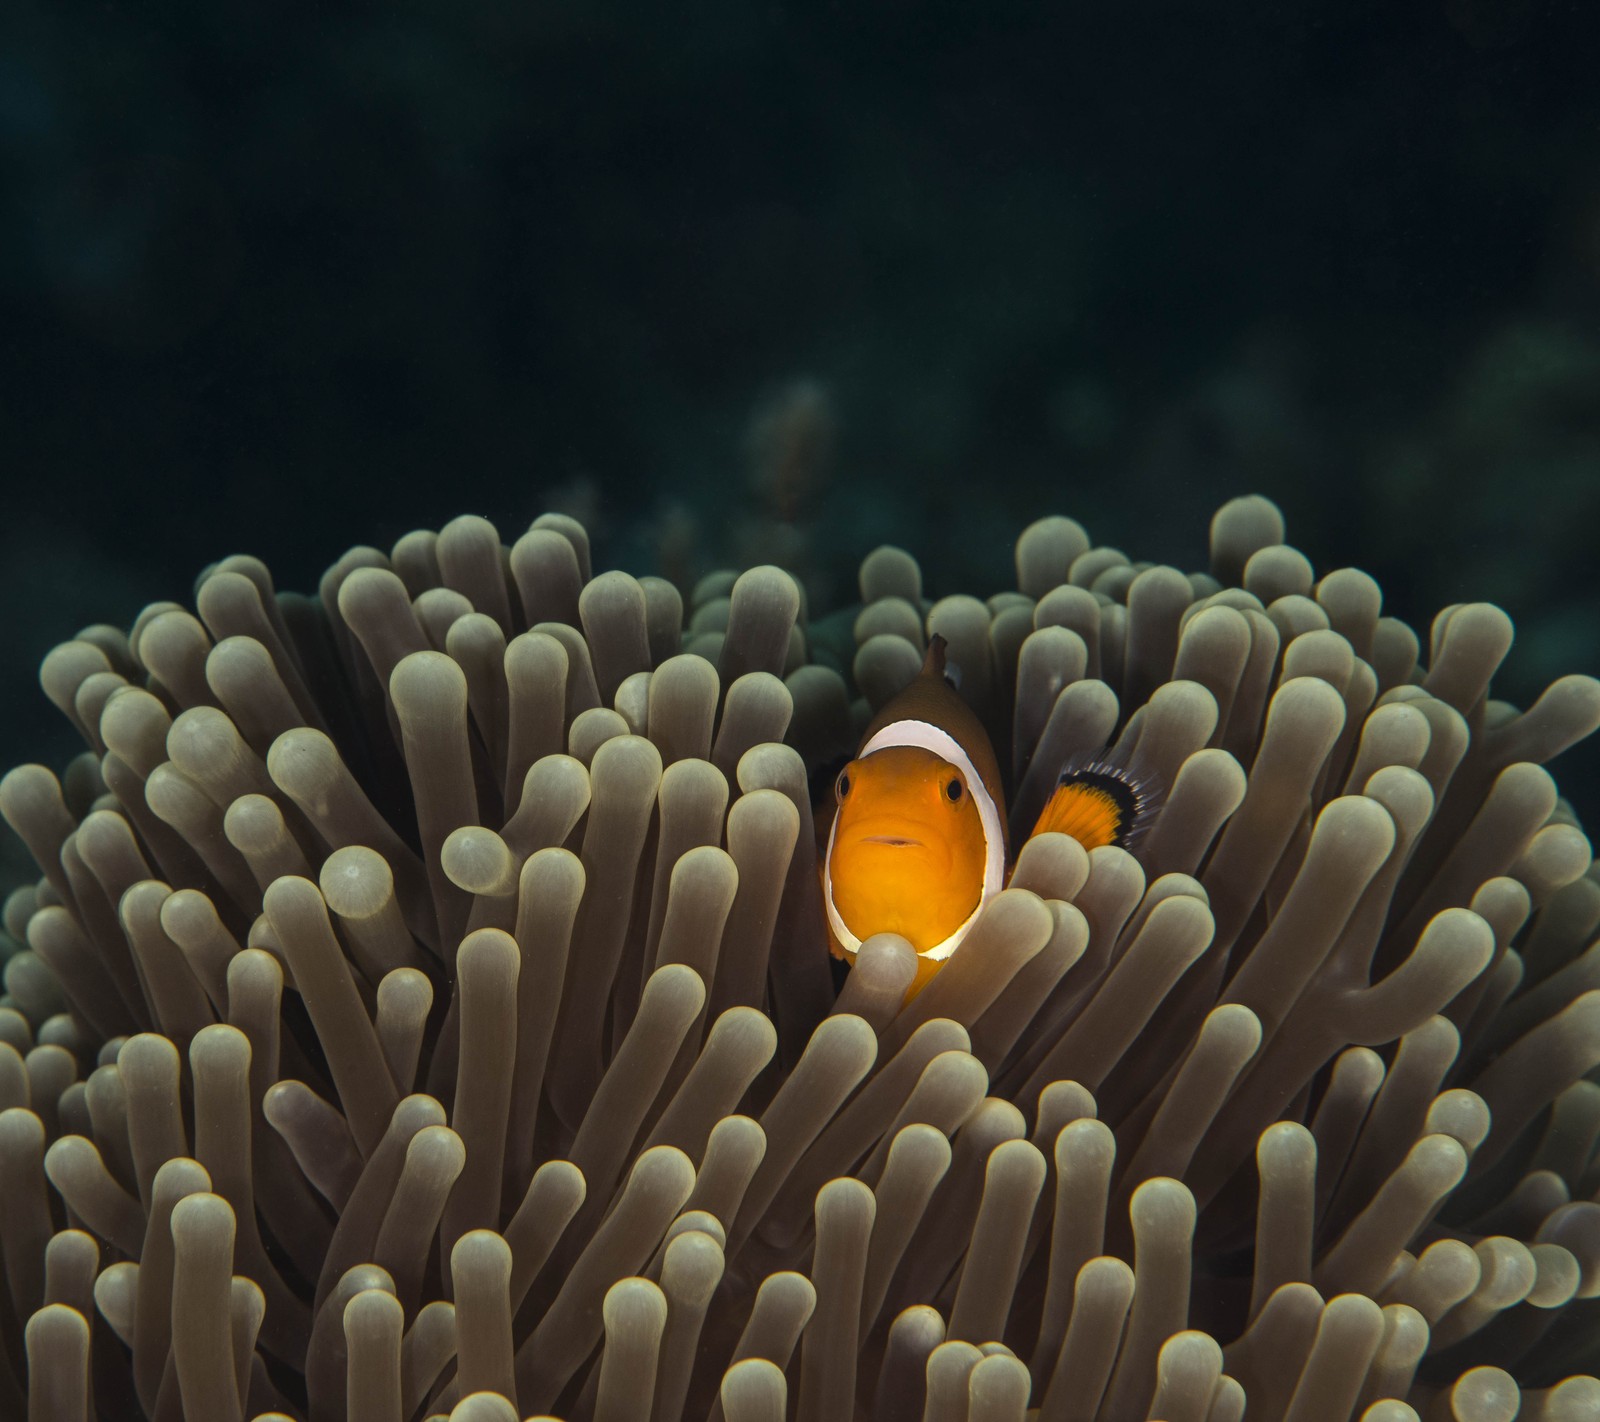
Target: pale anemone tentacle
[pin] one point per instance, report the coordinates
(423, 1010)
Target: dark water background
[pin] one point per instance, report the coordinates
(281, 279)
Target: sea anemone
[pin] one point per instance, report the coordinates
(425, 1009)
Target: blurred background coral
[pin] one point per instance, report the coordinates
(739, 282)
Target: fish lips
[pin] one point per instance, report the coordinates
(887, 843)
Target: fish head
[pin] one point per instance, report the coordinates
(908, 850)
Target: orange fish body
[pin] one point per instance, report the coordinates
(918, 843)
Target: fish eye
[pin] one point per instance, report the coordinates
(952, 790)
(842, 785)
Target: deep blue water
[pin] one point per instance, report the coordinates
(289, 278)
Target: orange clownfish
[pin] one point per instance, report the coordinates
(918, 843)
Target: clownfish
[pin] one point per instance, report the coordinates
(918, 842)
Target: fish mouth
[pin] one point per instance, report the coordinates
(895, 840)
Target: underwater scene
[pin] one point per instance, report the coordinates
(800, 712)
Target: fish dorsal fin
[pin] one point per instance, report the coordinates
(938, 663)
